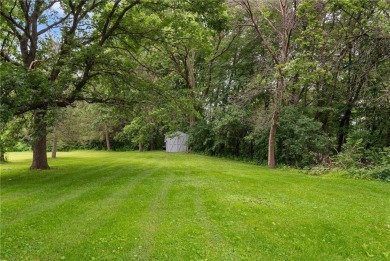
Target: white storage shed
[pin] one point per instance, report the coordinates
(177, 142)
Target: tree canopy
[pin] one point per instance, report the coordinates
(283, 82)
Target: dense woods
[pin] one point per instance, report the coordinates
(302, 83)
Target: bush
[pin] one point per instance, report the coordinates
(359, 173)
(21, 146)
(381, 173)
(351, 155)
(362, 163)
(300, 140)
(318, 170)
(201, 138)
(223, 133)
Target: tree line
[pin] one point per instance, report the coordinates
(298, 82)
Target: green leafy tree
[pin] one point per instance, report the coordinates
(56, 70)
(341, 50)
(62, 50)
(260, 14)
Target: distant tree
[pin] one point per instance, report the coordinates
(258, 13)
(341, 52)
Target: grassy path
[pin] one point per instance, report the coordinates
(157, 206)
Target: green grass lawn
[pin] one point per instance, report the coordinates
(157, 206)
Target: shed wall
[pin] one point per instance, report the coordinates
(177, 142)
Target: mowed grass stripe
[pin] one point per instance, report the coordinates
(152, 218)
(178, 230)
(85, 212)
(51, 194)
(99, 216)
(217, 244)
(111, 233)
(188, 232)
(22, 182)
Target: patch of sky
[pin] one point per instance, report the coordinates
(57, 16)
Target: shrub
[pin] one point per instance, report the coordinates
(300, 141)
(362, 163)
(318, 170)
(222, 133)
(351, 155)
(381, 173)
(21, 146)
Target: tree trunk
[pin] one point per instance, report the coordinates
(271, 144)
(39, 146)
(323, 117)
(274, 122)
(106, 134)
(267, 100)
(344, 126)
(140, 148)
(251, 150)
(54, 145)
(2, 157)
(190, 60)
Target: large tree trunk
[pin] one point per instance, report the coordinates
(54, 145)
(39, 146)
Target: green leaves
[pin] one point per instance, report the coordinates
(301, 141)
